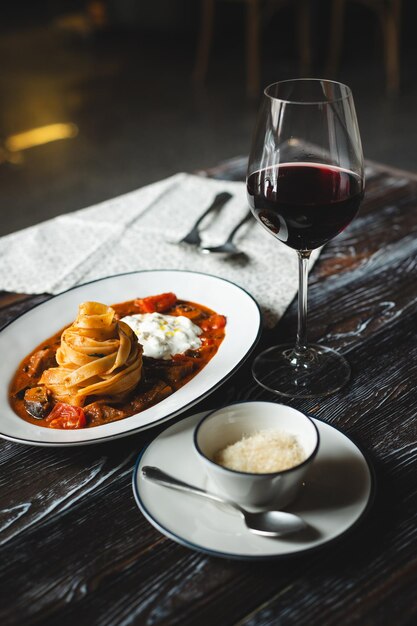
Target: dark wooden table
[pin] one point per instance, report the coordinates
(76, 550)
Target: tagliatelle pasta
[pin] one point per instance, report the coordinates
(98, 356)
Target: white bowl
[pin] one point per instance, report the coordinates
(228, 425)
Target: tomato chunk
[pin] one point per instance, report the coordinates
(156, 304)
(66, 416)
(215, 322)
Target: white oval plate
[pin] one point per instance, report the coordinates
(26, 332)
(329, 503)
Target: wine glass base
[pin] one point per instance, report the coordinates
(318, 372)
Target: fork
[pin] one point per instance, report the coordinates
(193, 237)
(228, 248)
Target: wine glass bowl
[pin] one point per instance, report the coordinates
(305, 183)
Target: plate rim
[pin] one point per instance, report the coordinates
(107, 438)
(267, 557)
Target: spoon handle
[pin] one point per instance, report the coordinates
(193, 236)
(217, 203)
(158, 476)
(238, 226)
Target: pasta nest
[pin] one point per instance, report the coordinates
(98, 356)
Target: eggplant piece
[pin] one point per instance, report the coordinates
(21, 393)
(37, 402)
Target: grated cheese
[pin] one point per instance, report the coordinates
(263, 452)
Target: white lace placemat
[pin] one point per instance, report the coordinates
(135, 232)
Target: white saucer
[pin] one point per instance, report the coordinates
(338, 490)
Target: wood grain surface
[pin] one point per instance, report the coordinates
(76, 550)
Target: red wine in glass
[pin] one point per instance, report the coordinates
(305, 182)
(304, 204)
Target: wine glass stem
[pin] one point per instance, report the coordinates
(301, 346)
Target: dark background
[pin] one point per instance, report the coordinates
(125, 82)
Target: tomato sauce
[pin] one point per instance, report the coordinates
(160, 378)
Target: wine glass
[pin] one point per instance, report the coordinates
(305, 183)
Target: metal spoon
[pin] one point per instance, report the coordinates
(267, 523)
(228, 247)
(193, 238)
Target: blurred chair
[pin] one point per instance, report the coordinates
(256, 12)
(389, 15)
